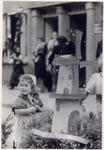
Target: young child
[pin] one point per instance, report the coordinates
(25, 107)
(94, 86)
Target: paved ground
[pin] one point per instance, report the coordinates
(8, 97)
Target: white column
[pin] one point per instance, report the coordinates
(90, 37)
(29, 38)
(4, 31)
(8, 31)
(22, 43)
(8, 25)
(37, 22)
(28, 22)
(63, 22)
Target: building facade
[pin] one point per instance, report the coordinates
(40, 19)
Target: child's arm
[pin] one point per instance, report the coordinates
(38, 108)
(40, 103)
(38, 100)
(25, 111)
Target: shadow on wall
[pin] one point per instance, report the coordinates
(7, 71)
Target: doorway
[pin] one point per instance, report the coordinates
(50, 25)
(78, 22)
(13, 28)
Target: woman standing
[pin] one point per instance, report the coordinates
(17, 68)
(39, 60)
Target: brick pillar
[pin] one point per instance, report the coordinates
(8, 31)
(29, 43)
(23, 38)
(90, 55)
(63, 22)
(29, 37)
(4, 31)
(37, 26)
(28, 31)
(8, 25)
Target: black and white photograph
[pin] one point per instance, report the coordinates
(52, 72)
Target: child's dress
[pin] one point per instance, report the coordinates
(23, 122)
(94, 86)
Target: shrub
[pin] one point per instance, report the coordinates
(6, 131)
(90, 128)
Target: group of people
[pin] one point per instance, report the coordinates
(44, 55)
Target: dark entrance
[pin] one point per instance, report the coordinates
(78, 22)
(50, 24)
(13, 28)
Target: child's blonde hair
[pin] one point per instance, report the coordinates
(30, 81)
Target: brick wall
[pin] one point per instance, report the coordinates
(98, 23)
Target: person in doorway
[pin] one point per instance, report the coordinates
(94, 86)
(39, 61)
(26, 107)
(53, 41)
(17, 68)
(63, 48)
